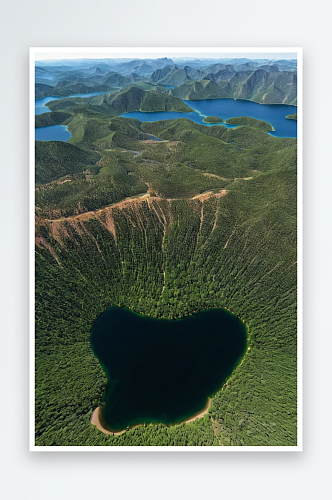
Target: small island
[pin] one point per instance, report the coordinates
(292, 117)
(250, 122)
(212, 119)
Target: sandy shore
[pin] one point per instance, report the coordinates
(95, 419)
(200, 414)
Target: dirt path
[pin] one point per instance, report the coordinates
(92, 213)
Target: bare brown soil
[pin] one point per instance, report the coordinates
(161, 206)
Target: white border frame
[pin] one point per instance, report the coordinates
(166, 51)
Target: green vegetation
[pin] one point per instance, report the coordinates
(292, 117)
(89, 186)
(198, 90)
(65, 88)
(136, 99)
(258, 86)
(168, 256)
(250, 122)
(186, 163)
(55, 159)
(212, 119)
(273, 82)
(42, 90)
(48, 119)
(218, 230)
(132, 98)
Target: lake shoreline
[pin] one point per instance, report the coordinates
(95, 420)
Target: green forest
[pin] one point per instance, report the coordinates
(205, 217)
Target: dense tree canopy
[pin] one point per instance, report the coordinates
(217, 228)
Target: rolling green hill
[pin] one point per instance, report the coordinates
(132, 98)
(49, 119)
(42, 90)
(136, 99)
(250, 122)
(55, 159)
(66, 87)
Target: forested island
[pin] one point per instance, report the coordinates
(212, 119)
(165, 218)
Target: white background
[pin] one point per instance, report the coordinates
(256, 476)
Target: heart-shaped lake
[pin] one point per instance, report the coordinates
(163, 370)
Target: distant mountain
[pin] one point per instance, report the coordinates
(143, 66)
(204, 89)
(216, 68)
(174, 75)
(223, 74)
(248, 66)
(260, 80)
(267, 88)
(272, 68)
(40, 71)
(193, 73)
(160, 74)
(99, 71)
(42, 90)
(259, 86)
(118, 80)
(285, 64)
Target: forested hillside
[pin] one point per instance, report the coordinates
(204, 217)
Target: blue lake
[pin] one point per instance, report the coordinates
(275, 114)
(52, 133)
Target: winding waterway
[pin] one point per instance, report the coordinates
(162, 370)
(275, 114)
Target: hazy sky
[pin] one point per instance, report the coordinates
(54, 54)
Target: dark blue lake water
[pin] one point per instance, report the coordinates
(162, 370)
(275, 114)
